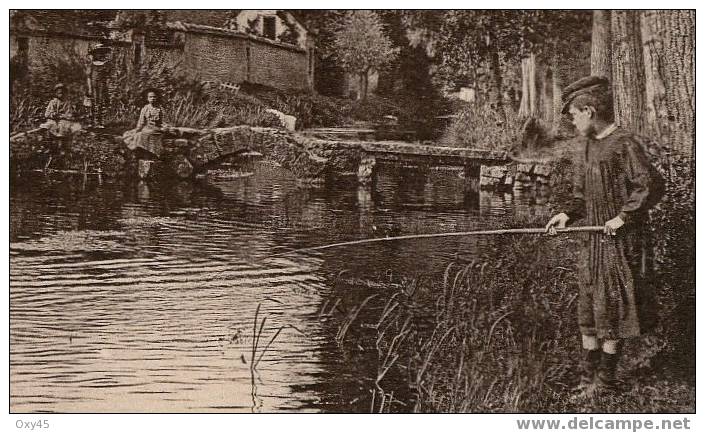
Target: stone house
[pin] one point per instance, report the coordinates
(268, 47)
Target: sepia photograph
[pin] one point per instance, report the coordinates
(352, 211)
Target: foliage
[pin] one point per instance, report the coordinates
(128, 19)
(312, 110)
(252, 26)
(25, 112)
(483, 127)
(499, 334)
(322, 23)
(231, 22)
(29, 97)
(215, 111)
(66, 66)
(673, 229)
(361, 44)
(466, 40)
(291, 33)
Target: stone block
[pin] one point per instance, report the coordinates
(542, 169)
(489, 181)
(522, 177)
(287, 121)
(524, 168)
(181, 143)
(493, 171)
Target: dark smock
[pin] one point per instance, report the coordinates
(613, 177)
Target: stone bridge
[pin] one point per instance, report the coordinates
(423, 155)
(310, 157)
(186, 152)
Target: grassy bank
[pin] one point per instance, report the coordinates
(188, 101)
(481, 126)
(500, 335)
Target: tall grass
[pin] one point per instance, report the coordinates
(500, 334)
(187, 101)
(25, 113)
(212, 113)
(483, 127)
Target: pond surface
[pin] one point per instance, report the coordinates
(135, 297)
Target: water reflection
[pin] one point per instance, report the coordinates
(142, 297)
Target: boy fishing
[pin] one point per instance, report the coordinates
(614, 187)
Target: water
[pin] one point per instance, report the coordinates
(133, 297)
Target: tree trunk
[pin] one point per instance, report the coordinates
(496, 73)
(601, 50)
(528, 104)
(652, 32)
(562, 75)
(525, 89)
(533, 99)
(679, 71)
(628, 71)
(363, 91)
(547, 95)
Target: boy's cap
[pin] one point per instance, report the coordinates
(59, 86)
(581, 87)
(100, 49)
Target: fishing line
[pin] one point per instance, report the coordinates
(519, 231)
(542, 230)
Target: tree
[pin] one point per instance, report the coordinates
(653, 58)
(469, 46)
(601, 52)
(361, 46)
(628, 71)
(669, 59)
(542, 41)
(140, 18)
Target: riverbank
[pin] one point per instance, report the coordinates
(499, 334)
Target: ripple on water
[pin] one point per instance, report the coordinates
(142, 298)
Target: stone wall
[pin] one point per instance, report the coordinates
(212, 57)
(276, 66)
(239, 58)
(60, 58)
(516, 176)
(206, 53)
(185, 151)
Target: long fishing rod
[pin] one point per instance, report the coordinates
(542, 230)
(580, 229)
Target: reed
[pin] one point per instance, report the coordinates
(499, 334)
(483, 127)
(258, 327)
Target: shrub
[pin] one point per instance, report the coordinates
(483, 127)
(673, 227)
(216, 113)
(25, 112)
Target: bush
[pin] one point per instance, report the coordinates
(483, 127)
(189, 103)
(216, 112)
(673, 227)
(25, 112)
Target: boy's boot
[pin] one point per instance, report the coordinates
(589, 366)
(606, 373)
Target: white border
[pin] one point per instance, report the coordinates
(296, 422)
